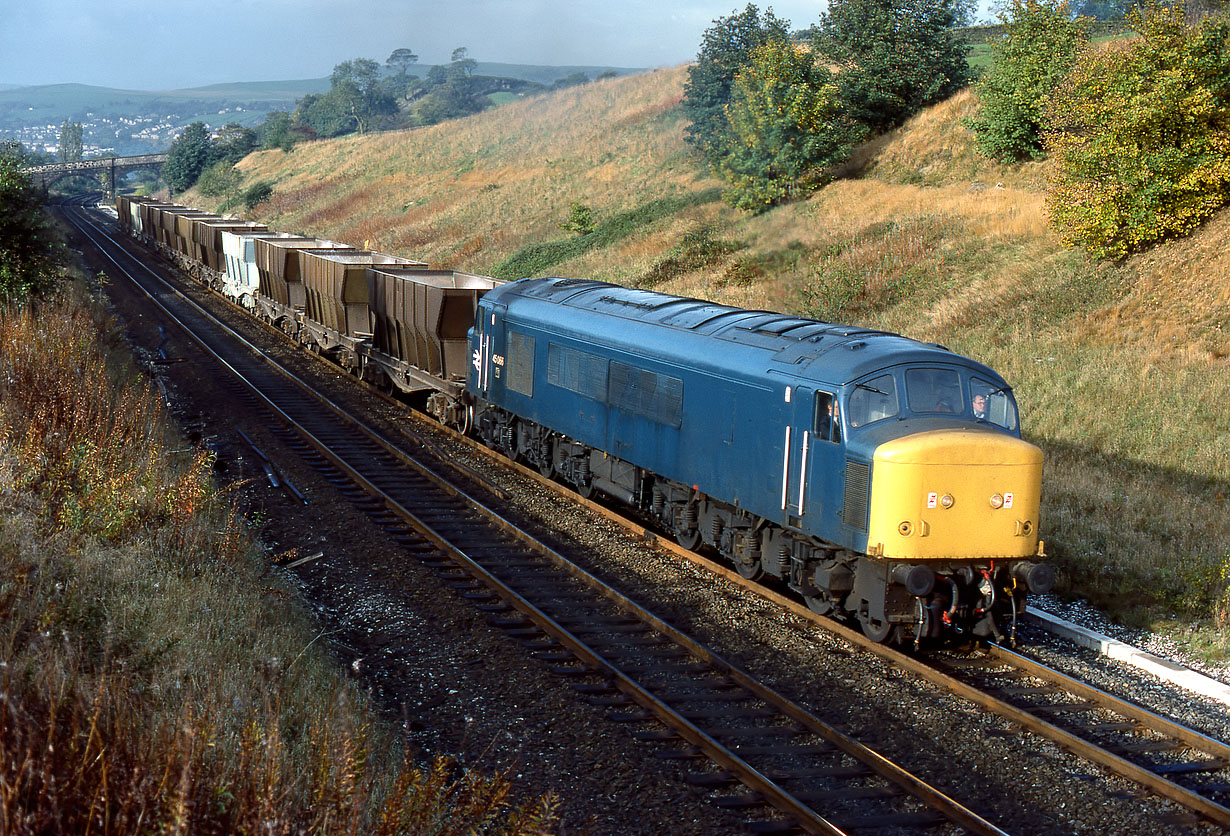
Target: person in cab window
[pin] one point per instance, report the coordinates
(980, 407)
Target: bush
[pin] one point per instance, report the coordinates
(29, 252)
(1140, 133)
(1035, 53)
(219, 179)
(785, 121)
(257, 194)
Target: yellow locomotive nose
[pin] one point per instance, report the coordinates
(955, 494)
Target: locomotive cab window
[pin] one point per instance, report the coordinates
(992, 404)
(827, 425)
(934, 391)
(872, 400)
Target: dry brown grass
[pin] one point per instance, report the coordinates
(154, 678)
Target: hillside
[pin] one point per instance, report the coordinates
(1121, 370)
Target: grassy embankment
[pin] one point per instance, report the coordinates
(1121, 369)
(154, 678)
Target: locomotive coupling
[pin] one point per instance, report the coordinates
(918, 580)
(1039, 578)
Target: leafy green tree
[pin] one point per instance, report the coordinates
(187, 157)
(1036, 52)
(896, 56)
(71, 144)
(571, 80)
(1140, 135)
(277, 131)
(29, 252)
(232, 143)
(462, 62)
(358, 93)
(725, 49)
(452, 91)
(786, 123)
(400, 61)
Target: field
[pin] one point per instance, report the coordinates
(1120, 369)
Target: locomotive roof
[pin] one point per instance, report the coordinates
(793, 342)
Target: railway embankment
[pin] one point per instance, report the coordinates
(1120, 368)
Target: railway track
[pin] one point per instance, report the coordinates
(802, 773)
(677, 691)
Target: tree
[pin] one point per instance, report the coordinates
(358, 94)
(1140, 135)
(1036, 52)
(219, 180)
(232, 143)
(29, 252)
(399, 61)
(896, 56)
(187, 157)
(71, 147)
(785, 122)
(725, 49)
(277, 131)
(354, 102)
(461, 61)
(571, 80)
(452, 92)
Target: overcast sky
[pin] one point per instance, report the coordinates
(168, 44)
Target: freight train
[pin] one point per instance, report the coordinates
(882, 479)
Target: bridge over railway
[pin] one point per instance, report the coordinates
(106, 170)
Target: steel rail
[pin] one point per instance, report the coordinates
(774, 795)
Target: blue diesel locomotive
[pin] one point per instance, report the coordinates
(881, 478)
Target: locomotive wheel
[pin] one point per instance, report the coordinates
(818, 604)
(876, 631)
(751, 571)
(688, 539)
(546, 466)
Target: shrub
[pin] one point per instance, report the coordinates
(580, 220)
(257, 194)
(1140, 133)
(785, 121)
(219, 179)
(1035, 53)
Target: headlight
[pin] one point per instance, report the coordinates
(997, 500)
(946, 500)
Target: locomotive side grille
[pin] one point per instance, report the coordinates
(858, 477)
(520, 363)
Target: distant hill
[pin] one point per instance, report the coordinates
(140, 121)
